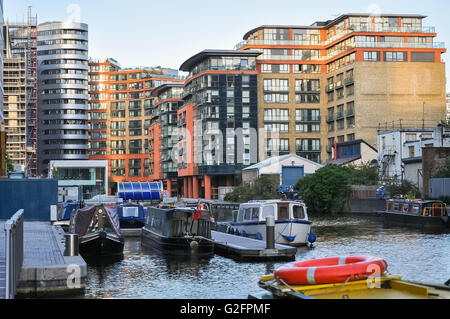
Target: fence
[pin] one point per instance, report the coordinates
(439, 187)
(13, 252)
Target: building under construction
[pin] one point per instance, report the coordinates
(20, 92)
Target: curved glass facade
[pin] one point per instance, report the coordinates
(63, 92)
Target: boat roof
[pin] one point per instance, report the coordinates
(272, 201)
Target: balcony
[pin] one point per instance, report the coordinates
(349, 81)
(330, 117)
(307, 119)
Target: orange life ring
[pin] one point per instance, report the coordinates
(330, 270)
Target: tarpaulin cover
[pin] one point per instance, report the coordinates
(85, 216)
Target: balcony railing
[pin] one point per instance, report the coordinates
(331, 117)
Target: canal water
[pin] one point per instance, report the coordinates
(143, 273)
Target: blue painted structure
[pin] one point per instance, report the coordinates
(290, 176)
(35, 196)
(140, 191)
(67, 208)
(131, 216)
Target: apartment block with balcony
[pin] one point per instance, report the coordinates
(163, 135)
(63, 96)
(120, 112)
(3, 172)
(357, 71)
(218, 121)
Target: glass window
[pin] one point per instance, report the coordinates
(255, 213)
(247, 213)
(268, 211)
(298, 212)
(283, 212)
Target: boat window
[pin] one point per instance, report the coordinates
(247, 213)
(298, 212)
(396, 206)
(283, 211)
(416, 209)
(241, 215)
(268, 211)
(255, 213)
(405, 208)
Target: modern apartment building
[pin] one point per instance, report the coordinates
(163, 137)
(63, 95)
(448, 106)
(218, 121)
(341, 80)
(2, 128)
(120, 115)
(20, 93)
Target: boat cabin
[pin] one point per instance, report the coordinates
(417, 207)
(179, 222)
(258, 211)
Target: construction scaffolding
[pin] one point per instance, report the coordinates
(20, 92)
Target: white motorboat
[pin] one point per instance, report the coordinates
(292, 226)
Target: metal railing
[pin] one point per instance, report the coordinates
(13, 252)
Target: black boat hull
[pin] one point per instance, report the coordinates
(178, 246)
(101, 246)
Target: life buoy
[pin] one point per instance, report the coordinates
(330, 270)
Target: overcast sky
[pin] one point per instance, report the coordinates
(166, 33)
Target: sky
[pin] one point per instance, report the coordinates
(168, 32)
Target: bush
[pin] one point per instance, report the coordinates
(327, 190)
(266, 187)
(443, 172)
(364, 174)
(405, 189)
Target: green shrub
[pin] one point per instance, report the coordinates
(266, 187)
(327, 190)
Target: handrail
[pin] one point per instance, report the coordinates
(13, 252)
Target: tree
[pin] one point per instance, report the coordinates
(9, 164)
(327, 190)
(265, 187)
(364, 174)
(444, 171)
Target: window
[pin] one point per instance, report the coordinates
(411, 151)
(276, 85)
(276, 98)
(283, 211)
(247, 213)
(255, 213)
(268, 211)
(395, 56)
(371, 56)
(298, 212)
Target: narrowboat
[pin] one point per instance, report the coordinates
(179, 231)
(417, 213)
(131, 215)
(352, 277)
(292, 226)
(98, 230)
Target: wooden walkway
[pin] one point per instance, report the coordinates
(244, 248)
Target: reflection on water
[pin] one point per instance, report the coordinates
(144, 273)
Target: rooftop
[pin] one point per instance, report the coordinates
(195, 59)
(325, 24)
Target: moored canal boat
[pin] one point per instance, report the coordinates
(180, 231)
(352, 277)
(98, 229)
(292, 226)
(422, 214)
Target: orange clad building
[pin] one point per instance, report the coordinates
(120, 115)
